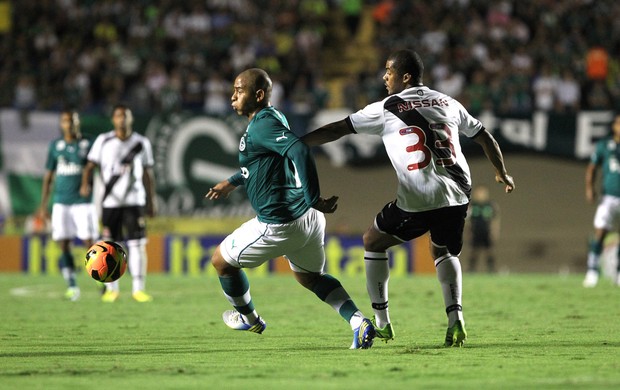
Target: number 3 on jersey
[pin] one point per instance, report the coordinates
(442, 144)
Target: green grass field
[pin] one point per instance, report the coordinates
(525, 331)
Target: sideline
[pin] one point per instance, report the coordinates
(36, 291)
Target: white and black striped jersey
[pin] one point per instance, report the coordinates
(420, 129)
(121, 164)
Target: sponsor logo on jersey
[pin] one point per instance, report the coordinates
(242, 144)
(65, 168)
(413, 104)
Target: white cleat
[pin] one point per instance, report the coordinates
(591, 279)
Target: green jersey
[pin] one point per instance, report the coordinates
(607, 155)
(67, 160)
(277, 169)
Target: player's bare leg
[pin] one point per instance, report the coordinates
(330, 291)
(594, 255)
(236, 288)
(67, 269)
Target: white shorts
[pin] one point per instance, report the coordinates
(607, 214)
(300, 241)
(76, 220)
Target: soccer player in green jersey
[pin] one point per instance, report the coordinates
(281, 181)
(73, 215)
(607, 217)
(483, 228)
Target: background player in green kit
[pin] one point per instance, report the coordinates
(281, 181)
(607, 217)
(483, 228)
(73, 215)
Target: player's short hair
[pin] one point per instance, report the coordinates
(259, 79)
(128, 113)
(75, 120)
(407, 61)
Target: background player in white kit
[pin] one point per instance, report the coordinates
(125, 161)
(420, 129)
(73, 215)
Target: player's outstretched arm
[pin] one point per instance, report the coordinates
(327, 133)
(220, 190)
(494, 154)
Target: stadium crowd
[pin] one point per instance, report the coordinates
(506, 56)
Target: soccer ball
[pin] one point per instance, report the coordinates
(106, 261)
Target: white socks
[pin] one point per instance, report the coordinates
(377, 277)
(450, 277)
(137, 260)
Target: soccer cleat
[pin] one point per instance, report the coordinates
(386, 333)
(110, 296)
(72, 294)
(363, 335)
(591, 278)
(141, 296)
(456, 335)
(234, 320)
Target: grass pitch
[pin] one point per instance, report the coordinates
(525, 331)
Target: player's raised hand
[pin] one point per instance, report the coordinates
(220, 190)
(326, 206)
(508, 180)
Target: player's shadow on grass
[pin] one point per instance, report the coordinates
(399, 349)
(512, 345)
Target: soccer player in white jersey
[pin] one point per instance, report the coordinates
(281, 181)
(125, 161)
(607, 216)
(420, 129)
(73, 215)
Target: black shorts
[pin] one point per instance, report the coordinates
(445, 225)
(481, 241)
(124, 223)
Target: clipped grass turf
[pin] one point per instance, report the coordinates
(525, 331)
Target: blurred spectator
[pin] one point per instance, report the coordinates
(383, 12)
(476, 92)
(156, 78)
(217, 94)
(115, 44)
(568, 93)
(544, 87)
(303, 104)
(597, 96)
(352, 10)
(277, 94)
(170, 97)
(452, 84)
(193, 97)
(597, 63)
(25, 98)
